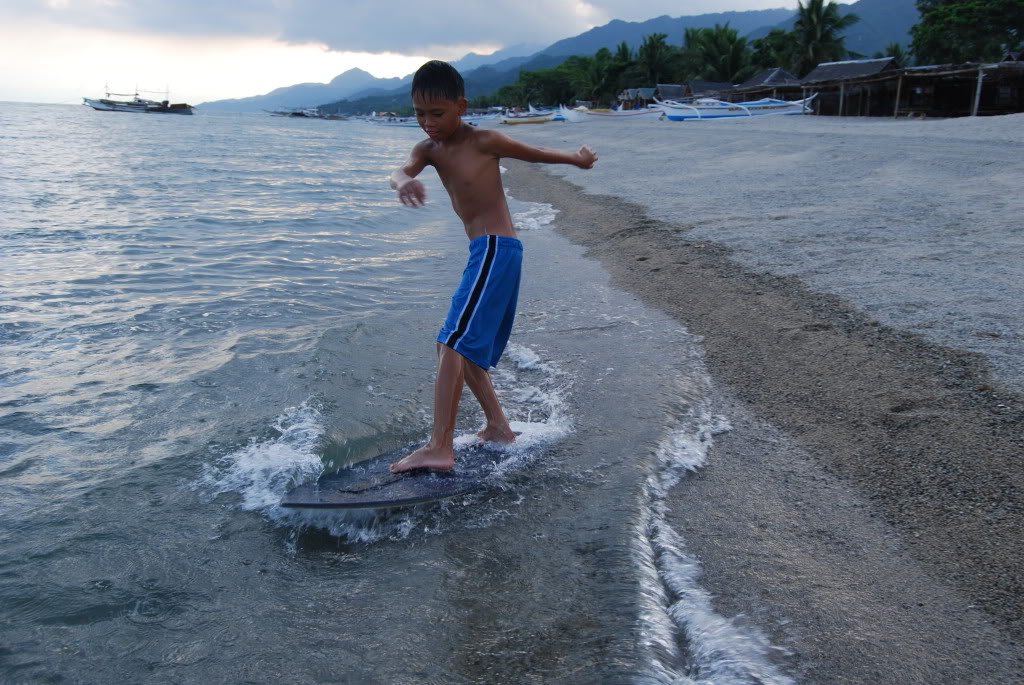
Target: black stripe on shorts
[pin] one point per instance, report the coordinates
(478, 291)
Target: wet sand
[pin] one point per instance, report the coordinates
(865, 509)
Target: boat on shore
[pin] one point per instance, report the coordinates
(400, 123)
(136, 104)
(307, 113)
(651, 112)
(710, 108)
(531, 117)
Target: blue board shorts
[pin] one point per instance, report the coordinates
(484, 306)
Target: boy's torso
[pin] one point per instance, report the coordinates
(472, 177)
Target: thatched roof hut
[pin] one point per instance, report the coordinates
(849, 70)
(775, 83)
(693, 89)
(698, 88)
(876, 87)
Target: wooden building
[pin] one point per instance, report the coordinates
(877, 87)
(774, 83)
(956, 90)
(693, 89)
(860, 87)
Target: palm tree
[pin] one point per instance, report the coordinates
(655, 58)
(623, 53)
(901, 58)
(718, 54)
(818, 28)
(590, 74)
(775, 50)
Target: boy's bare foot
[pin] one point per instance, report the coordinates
(438, 459)
(503, 435)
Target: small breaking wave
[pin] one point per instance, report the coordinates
(261, 472)
(685, 640)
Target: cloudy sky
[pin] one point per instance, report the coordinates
(61, 50)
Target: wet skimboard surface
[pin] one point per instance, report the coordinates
(370, 484)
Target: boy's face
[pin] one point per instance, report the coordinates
(439, 117)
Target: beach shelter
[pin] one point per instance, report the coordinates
(846, 88)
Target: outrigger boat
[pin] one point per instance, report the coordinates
(136, 104)
(651, 112)
(405, 122)
(533, 116)
(710, 108)
(581, 114)
(528, 118)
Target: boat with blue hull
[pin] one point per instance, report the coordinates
(711, 108)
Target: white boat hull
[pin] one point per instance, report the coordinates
(718, 109)
(398, 124)
(116, 106)
(627, 114)
(541, 118)
(137, 105)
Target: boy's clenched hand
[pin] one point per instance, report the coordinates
(585, 157)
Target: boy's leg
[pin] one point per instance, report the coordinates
(439, 453)
(479, 382)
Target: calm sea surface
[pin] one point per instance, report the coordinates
(198, 312)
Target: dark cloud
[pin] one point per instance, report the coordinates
(167, 17)
(403, 26)
(411, 27)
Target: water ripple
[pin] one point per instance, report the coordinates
(144, 253)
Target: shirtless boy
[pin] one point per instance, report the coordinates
(480, 319)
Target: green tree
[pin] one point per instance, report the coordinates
(901, 58)
(953, 31)
(592, 77)
(654, 59)
(547, 86)
(777, 49)
(623, 54)
(511, 95)
(818, 32)
(718, 54)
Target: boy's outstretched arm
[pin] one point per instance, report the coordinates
(403, 179)
(503, 146)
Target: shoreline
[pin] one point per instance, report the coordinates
(916, 435)
(914, 223)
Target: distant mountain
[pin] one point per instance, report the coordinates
(487, 78)
(352, 83)
(520, 52)
(633, 32)
(881, 22)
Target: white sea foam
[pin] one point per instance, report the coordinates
(714, 649)
(261, 472)
(536, 216)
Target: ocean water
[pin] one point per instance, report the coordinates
(198, 312)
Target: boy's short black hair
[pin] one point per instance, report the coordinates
(437, 79)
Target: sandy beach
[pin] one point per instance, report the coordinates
(859, 288)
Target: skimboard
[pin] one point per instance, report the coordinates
(370, 484)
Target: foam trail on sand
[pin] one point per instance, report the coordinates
(685, 639)
(537, 216)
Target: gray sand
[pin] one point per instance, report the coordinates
(865, 509)
(918, 223)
